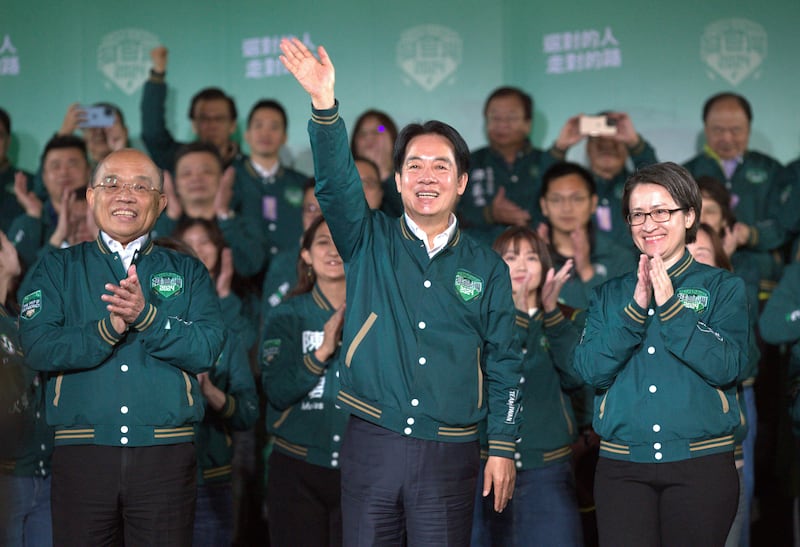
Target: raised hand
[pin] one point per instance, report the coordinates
(27, 200)
(317, 76)
(65, 220)
(174, 207)
(505, 211)
(159, 57)
(659, 278)
(126, 300)
(222, 201)
(225, 276)
(644, 287)
(553, 283)
(570, 134)
(626, 133)
(74, 117)
(332, 335)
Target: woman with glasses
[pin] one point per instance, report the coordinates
(663, 347)
(568, 200)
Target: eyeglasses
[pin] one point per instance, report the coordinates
(112, 186)
(559, 201)
(658, 215)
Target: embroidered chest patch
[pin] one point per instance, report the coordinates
(166, 284)
(31, 305)
(694, 299)
(468, 286)
(756, 175)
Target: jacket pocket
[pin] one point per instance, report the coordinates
(480, 379)
(602, 409)
(359, 337)
(570, 425)
(725, 405)
(188, 383)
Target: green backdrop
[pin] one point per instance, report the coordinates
(415, 59)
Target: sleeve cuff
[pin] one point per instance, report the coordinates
(502, 447)
(554, 318)
(107, 332)
(633, 314)
(327, 116)
(145, 318)
(229, 408)
(314, 365)
(637, 148)
(670, 308)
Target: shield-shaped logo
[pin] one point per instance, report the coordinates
(123, 56)
(31, 305)
(733, 48)
(429, 54)
(468, 286)
(167, 284)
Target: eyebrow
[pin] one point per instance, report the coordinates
(423, 158)
(135, 177)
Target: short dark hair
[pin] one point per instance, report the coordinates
(5, 119)
(562, 169)
(115, 109)
(511, 238)
(508, 91)
(677, 181)
(715, 190)
(271, 104)
(212, 94)
(728, 95)
(198, 147)
(212, 230)
(383, 118)
(60, 142)
(432, 127)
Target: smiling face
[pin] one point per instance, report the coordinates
(126, 215)
(523, 264)
(568, 205)
(666, 239)
(323, 257)
(428, 182)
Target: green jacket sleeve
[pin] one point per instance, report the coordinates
(157, 139)
(246, 237)
(563, 336)
(780, 321)
(27, 234)
(241, 399)
(286, 373)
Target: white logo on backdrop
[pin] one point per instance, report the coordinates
(429, 54)
(9, 60)
(733, 49)
(261, 55)
(581, 50)
(123, 56)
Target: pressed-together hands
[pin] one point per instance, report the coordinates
(652, 279)
(126, 301)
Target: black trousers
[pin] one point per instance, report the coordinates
(398, 490)
(104, 495)
(682, 504)
(303, 503)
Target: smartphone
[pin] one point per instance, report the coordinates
(597, 126)
(98, 116)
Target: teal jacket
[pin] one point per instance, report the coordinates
(756, 194)
(26, 441)
(548, 426)
(134, 389)
(780, 324)
(29, 234)
(275, 201)
(281, 277)
(9, 206)
(231, 374)
(666, 377)
(608, 259)
(489, 171)
(302, 407)
(429, 344)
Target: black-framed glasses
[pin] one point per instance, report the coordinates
(112, 186)
(658, 215)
